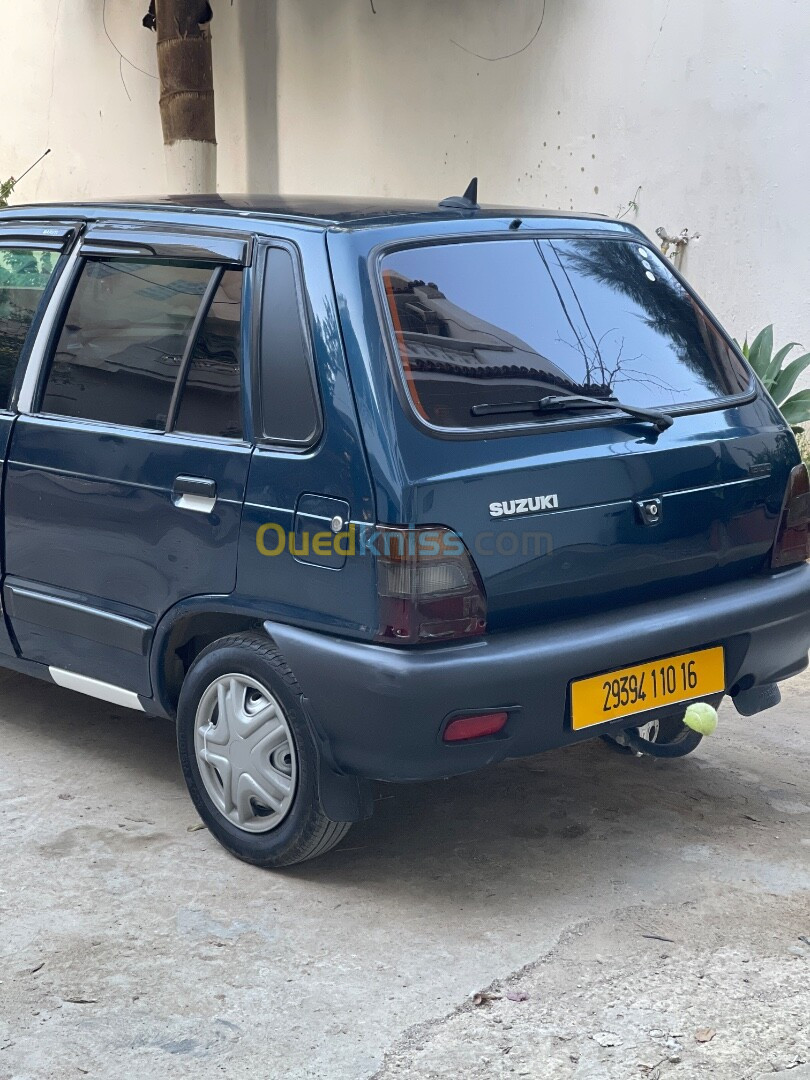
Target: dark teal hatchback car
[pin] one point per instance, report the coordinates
(383, 491)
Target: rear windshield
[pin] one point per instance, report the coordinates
(511, 321)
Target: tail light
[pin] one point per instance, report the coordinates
(793, 536)
(428, 587)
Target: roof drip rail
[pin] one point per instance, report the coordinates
(467, 201)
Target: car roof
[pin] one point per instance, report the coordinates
(327, 211)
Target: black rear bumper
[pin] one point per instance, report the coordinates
(380, 711)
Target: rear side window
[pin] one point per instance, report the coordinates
(119, 353)
(211, 402)
(24, 276)
(511, 321)
(289, 400)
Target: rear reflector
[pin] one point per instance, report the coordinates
(474, 727)
(793, 537)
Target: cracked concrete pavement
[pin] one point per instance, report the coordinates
(617, 910)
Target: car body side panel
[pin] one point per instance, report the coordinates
(98, 544)
(90, 520)
(338, 598)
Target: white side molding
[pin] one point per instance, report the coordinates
(95, 688)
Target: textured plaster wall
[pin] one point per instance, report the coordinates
(703, 106)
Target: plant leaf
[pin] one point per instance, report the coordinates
(704, 1035)
(760, 351)
(764, 339)
(772, 374)
(786, 380)
(796, 410)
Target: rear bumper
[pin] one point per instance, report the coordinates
(380, 710)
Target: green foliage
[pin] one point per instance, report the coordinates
(24, 270)
(779, 378)
(6, 188)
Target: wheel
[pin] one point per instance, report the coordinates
(248, 757)
(666, 737)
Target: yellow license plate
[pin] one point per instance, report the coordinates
(643, 687)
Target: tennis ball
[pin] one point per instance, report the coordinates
(701, 717)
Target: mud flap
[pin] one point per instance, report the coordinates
(343, 797)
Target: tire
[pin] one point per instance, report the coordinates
(253, 778)
(670, 738)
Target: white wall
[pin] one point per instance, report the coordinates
(67, 87)
(705, 105)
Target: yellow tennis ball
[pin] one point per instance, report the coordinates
(701, 717)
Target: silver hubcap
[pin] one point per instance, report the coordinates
(245, 753)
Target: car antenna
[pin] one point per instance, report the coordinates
(467, 201)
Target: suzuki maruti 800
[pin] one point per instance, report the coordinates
(383, 491)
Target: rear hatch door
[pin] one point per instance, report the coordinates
(568, 510)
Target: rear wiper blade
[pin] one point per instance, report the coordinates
(574, 402)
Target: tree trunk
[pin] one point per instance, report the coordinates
(187, 95)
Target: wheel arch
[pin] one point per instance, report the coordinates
(184, 632)
(197, 622)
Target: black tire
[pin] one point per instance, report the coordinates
(305, 832)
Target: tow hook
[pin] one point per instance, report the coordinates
(684, 742)
(669, 736)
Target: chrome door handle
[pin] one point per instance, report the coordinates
(194, 493)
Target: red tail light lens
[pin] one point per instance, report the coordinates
(793, 537)
(428, 587)
(475, 727)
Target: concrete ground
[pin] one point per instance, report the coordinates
(625, 917)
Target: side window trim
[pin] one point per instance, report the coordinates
(46, 235)
(261, 437)
(222, 251)
(141, 241)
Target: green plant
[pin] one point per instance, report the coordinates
(6, 188)
(779, 378)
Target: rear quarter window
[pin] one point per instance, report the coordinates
(510, 321)
(289, 397)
